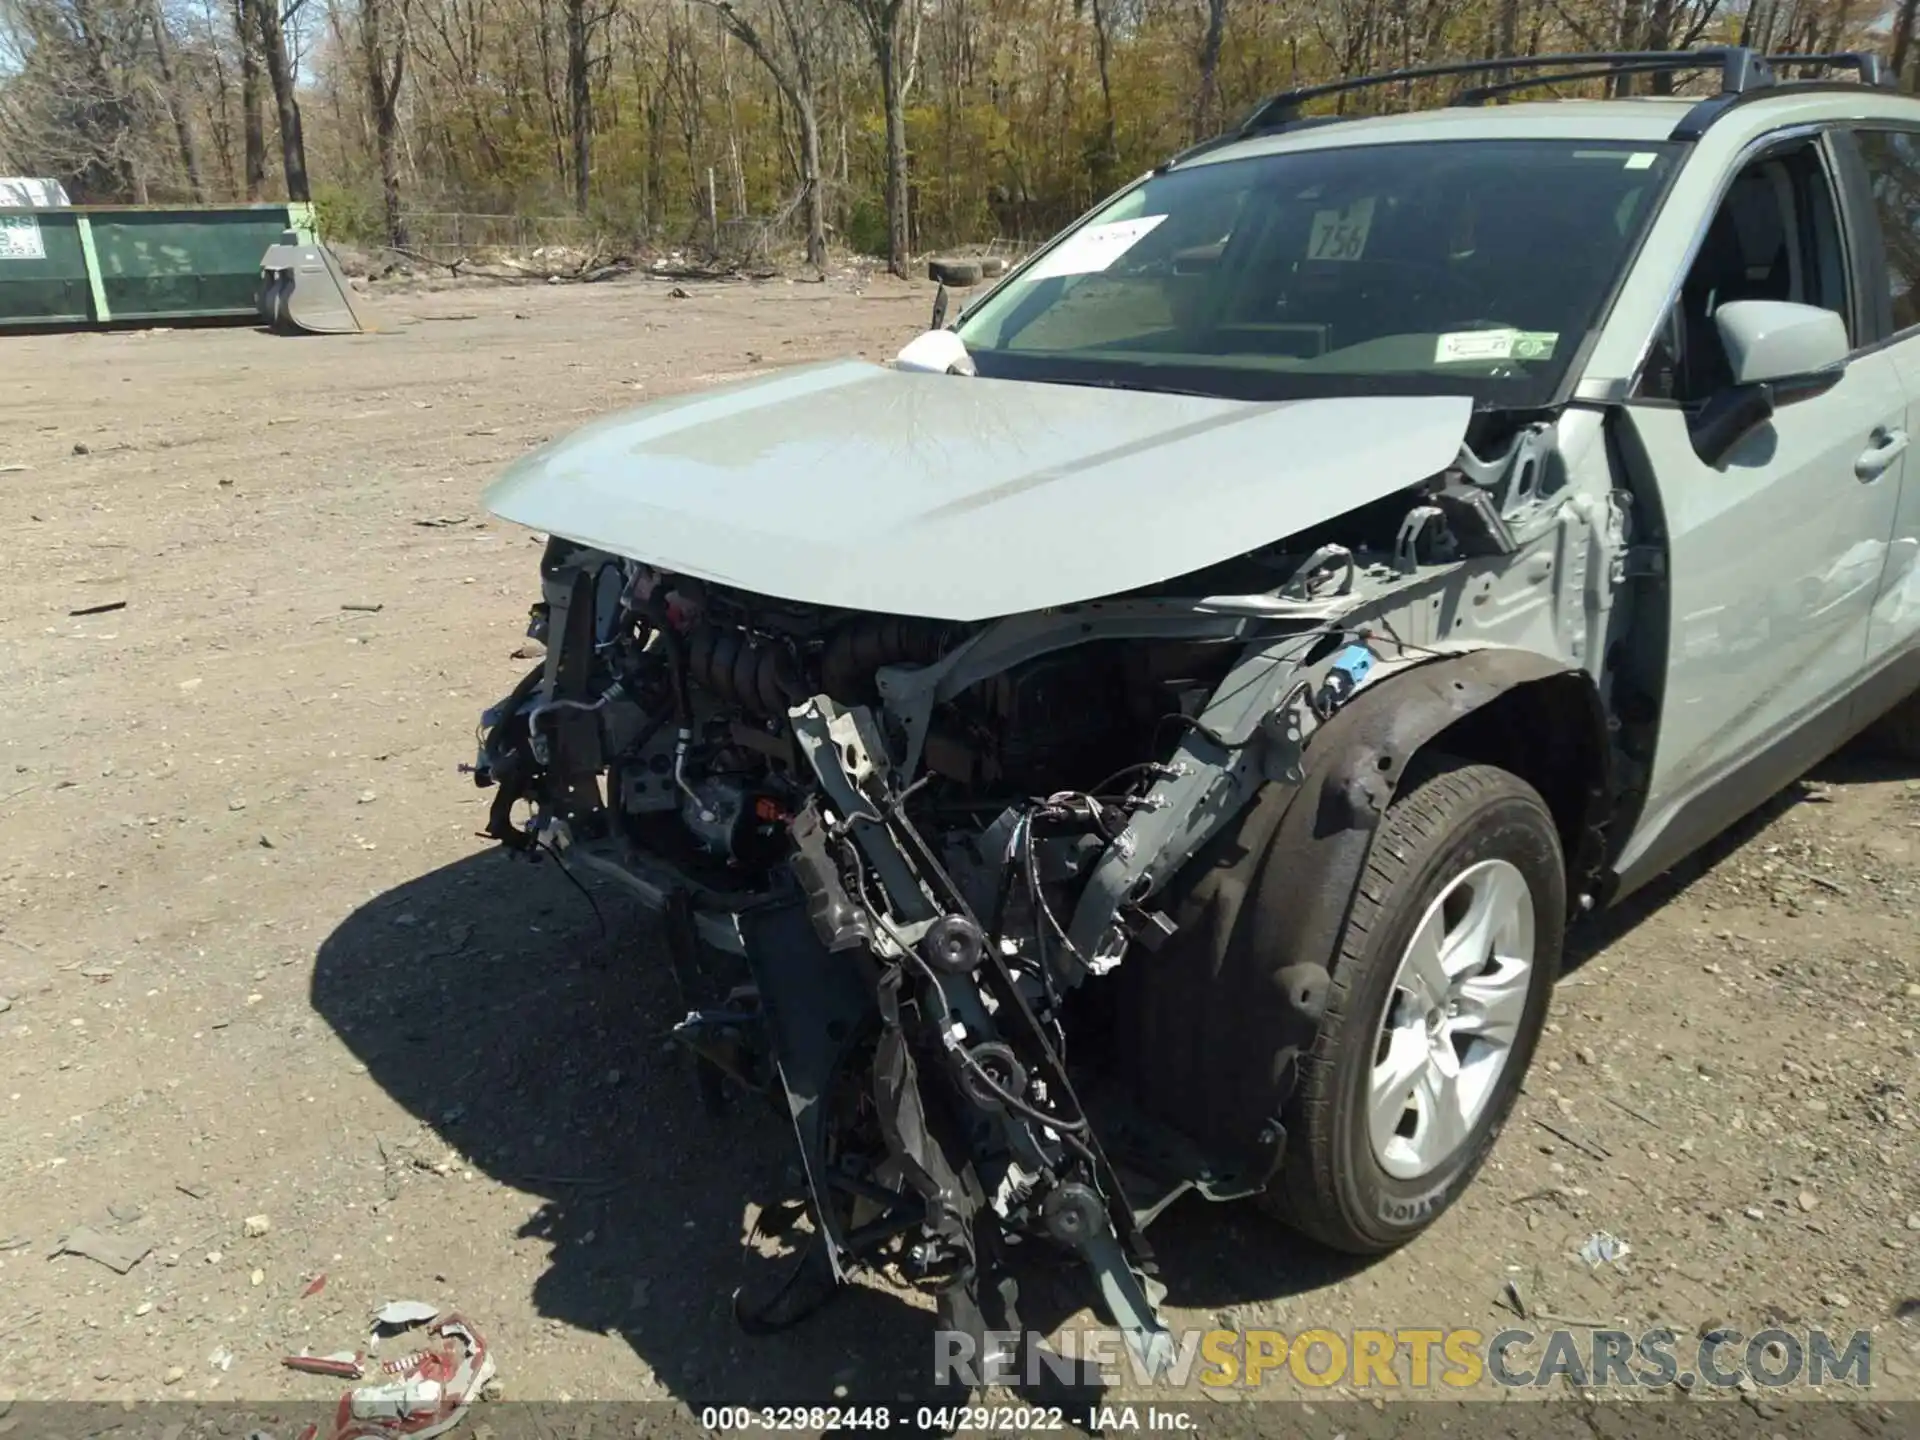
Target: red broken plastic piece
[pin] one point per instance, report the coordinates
(429, 1393)
(343, 1365)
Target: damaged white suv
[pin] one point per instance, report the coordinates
(1154, 736)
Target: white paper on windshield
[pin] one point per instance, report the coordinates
(1468, 346)
(1642, 160)
(1341, 234)
(1094, 248)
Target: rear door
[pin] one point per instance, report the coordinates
(1775, 554)
(1889, 174)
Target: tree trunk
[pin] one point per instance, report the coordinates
(108, 173)
(1508, 43)
(1630, 17)
(1109, 156)
(1842, 13)
(1210, 42)
(252, 123)
(1903, 36)
(579, 103)
(656, 111)
(886, 44)
(386, 139)
(814, 199)
(385, 74)
(794, 74)
(1660, 37)
(293, 143)
(176, 103)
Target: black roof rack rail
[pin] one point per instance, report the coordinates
(1871, 69)
(1744, 73)
(1741, 69)
(1480, 94)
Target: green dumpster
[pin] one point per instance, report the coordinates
(43, 269)
(119, 264)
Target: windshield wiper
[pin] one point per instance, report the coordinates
(1101, 384)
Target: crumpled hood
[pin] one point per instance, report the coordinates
(856, 486)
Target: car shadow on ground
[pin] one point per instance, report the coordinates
(1850, 767)
(487, 999)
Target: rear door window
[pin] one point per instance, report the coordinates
(1892, 159)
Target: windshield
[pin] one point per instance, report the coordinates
(1465, 267)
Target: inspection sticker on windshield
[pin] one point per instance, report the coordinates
(1094, 248)
(20, 238)
(1467, 346)
(1341, 234)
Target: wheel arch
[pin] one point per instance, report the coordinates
(1552, 733)
(1262, 910)
(1536, 716)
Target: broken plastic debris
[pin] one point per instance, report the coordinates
(314, 1286)
(403, 1314)
(429, 1392)
(426, 1392)
(1602, 1247)
(342, 1363)
(117, 1254)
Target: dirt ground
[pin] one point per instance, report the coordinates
(257, 964)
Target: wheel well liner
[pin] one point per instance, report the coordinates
(1292, 859)
(1552, 733)
(1511, 708)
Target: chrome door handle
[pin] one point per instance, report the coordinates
(1886, 448)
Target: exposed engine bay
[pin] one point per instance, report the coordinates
(928, 841)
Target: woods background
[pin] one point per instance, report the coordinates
(883, 126)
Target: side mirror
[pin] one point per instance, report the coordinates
(1794, 348)
(1779, 352)
(1727, 419)
(935, 352)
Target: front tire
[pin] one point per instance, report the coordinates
(1436, 1002)
(1896, 734)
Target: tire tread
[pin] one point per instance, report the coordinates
(1896, 734)
(1304, 1194)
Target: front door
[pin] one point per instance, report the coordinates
(1775, 554)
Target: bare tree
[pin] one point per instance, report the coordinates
(176, 102)
(1106, 153)
(384, 42)
(1026, 109)
(1507, 41)
(1212, 35)
(790, 60)
(1903, 36)
(73, 105)
(293, 142)
(585, 22)
(252, 123)
(883, 22)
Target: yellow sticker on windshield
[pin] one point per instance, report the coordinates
(1459, 347)
(1341, 234)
